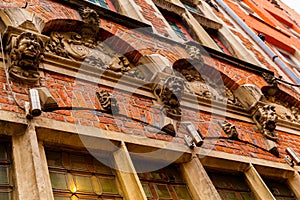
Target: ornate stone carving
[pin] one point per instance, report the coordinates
(169, 94)
(107, 102)
(209, 90)
(90, 16)
(195, 53)
(229, 129)
(25, 55)
(284, 110)
(85, 46)
(265, 118)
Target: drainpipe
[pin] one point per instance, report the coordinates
(268, 51)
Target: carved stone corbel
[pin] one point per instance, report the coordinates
(265, 119)
(169, 94)
(195, 53)
(25, 54)
(107, 102)
(229, 129)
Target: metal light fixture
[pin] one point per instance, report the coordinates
(193, 138)
(292, 158)
(35, 104)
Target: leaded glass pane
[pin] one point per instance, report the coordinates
(78, 162)
(182, 192)
(101, 168)
(162, 191)
(280, 189)
(177, 29)
(83, 183)
(61, 198)
(58, 180)
(3, 152)
(108, 185)
(5, 196)
(147, 190)
(54, 158)
(4, 175)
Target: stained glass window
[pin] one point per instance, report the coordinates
(80, 176)
(164, 184)
(280, 189)
(6, 186)
(104, 3)
(231, 186)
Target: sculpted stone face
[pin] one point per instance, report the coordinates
(26, 55)
(28, 50)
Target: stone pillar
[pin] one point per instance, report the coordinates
(32, 178)
(257, 185)
(130, 182)
(294, 183)
(199, 184)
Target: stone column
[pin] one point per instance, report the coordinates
(130, 182)
(32, 179)
(200, 185)
(257, 185)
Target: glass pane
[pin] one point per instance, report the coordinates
(3, 153)
(227, 195)
(4, 175)
(61, 198)
(247, 196)
(83, 183)
(58, 180)
(279, 188)
(78, 162)
(54, 158)
(108, 185)
(162, 191)
(147, 190)
(101, 168)
(182, 192)
(5, 196)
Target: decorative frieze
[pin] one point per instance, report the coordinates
(25, 54)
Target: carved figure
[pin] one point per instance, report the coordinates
(195, 53)
(90, 16)
(229, 129)
(106, 101)
(170, 95)
(265, 118)
(26, 54)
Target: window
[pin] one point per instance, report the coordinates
(163, 184)
(214, 34)
(80, 176)
(178, 28)
(280, 189)
(231, 186)
(6, 186)
(192, 8)
(104, 3)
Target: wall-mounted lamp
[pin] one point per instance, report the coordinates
(193, 138)
(292, 158)
(40, 100)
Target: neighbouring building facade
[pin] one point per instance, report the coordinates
(149, 99)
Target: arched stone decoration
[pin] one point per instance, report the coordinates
(204, 85)
(25, 54)
(84, 41)
(286, 107)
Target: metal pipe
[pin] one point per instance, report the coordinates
(268, 51)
